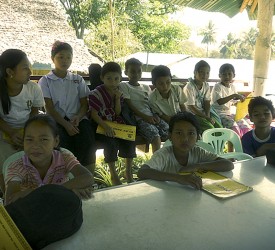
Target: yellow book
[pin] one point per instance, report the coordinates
(7, 138)
(122, 131)
(11, 237)
(242, 108)
(221, 186)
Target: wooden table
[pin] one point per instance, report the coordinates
(165, 215)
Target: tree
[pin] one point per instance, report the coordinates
(228, 46)
(209, 35)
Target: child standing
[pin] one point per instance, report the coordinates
(42, 164)
(262, 138)
(197, 92)
(223, 96)
(166, 100)
(105, 103)
(66, 98)
(136, 95)
(19, 100)
(183, 155)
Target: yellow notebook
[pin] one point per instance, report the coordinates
(10, 236)
(221, 186)
(242, 108)
(122, 131)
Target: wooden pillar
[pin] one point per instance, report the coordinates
(263, 46)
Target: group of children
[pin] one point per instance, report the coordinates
(60, 146)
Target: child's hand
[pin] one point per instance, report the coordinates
(17, 138)
(151, 119)
(117, 93)
(71, 129)
(190, 179)
(84, 193)
(212, 121)
(75, 120)
(239, 97)
(108, 130)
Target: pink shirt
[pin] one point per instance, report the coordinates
(22, 170)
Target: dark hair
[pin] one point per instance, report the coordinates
(9, 59)
(201, 64)
(94, 75)
(59, 46)
(226, 66)
(110, 67)
(132, 61)
(184, 116)
(44, 119)
(259, 100)
(160, 71)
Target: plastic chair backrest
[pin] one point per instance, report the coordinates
(217, 138)
(199, 143)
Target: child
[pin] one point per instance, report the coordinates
(224, 96)
(19, 100)
(105, 104)
(166, 100)
(94, 75)
(197, 92)
(42, 164)
(66, 98)
(183, 155)
(136, 95)
(262, 138)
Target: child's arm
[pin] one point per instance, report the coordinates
(108, 130)
(183, 107)
(13, 192)
(15, 134)
(147, 118)
(196, 111)
(219, 165)
(226, 99)
(262, 150)
(81, 112)
(145, 172)
(82, 183)
(117, 96)
(70, 128)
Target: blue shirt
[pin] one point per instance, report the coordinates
(251, 143)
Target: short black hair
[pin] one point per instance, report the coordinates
(226, 66)
(201, 64)
(110, 67)
(160, 71)
(59, 46)
(132, 61)
(258, 101)
(184, 116)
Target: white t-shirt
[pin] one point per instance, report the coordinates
(30, 96)
(220, 91)
(169, 106)
(139, 96)
(197, 96)
(164, 159)
(64, 92)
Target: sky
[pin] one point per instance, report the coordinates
(197, 20)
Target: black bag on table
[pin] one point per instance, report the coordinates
(48, 214)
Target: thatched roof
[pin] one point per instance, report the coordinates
(33, 26)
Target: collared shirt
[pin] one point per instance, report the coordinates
(167, 106)
(22, 170)
(64, 92)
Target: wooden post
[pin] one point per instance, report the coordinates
(263, 46)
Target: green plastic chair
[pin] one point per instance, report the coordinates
(218, 137)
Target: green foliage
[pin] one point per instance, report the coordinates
(209, 35)
(102, 173)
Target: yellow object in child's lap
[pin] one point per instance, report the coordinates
(122, 131)
(7, 138)
(242, 108)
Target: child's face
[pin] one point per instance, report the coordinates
(111, 80)
(184, 136)
(39, 143)
(261, 116)
(63, 60)
(202, 74)
(227, 76)
(21, 73)
(163, 84)
(134, 73)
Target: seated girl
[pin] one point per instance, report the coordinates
(43, 164)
